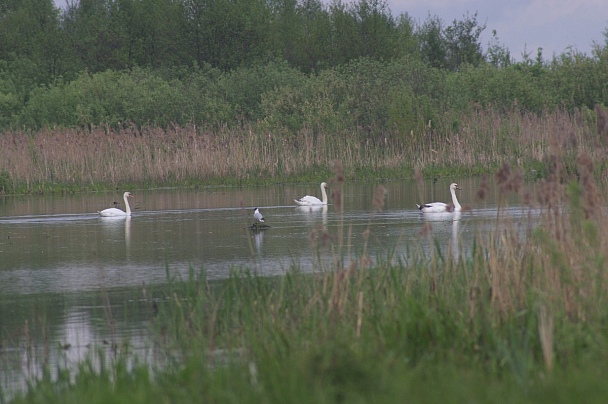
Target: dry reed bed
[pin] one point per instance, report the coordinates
(175, 155)
(540, 292)
(553, 270)
(550, 280)
(555, 263)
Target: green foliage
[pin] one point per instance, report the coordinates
(462, 43)
(574, 79)
(402, 110)
(498, 55)
(362, 29)
(9, 101)
(109, 98)
(311, 103)
(284, 66)
(304, 36)
(243, 88)
(379, 98)
(6, 184)
(103, 35)
(432, 46)
(30, 29)
(229, 34)
(498, 88)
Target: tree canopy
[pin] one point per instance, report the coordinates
(230, 57)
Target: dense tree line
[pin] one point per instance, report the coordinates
(97, 35)
(283, 64)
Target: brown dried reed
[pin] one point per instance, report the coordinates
(92, 158)
(552, 265)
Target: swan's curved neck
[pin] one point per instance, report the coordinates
(323, 195)
(127, 206)
(455, 200)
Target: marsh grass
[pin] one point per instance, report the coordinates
(522, 318)
(72, 159)
(513, 322)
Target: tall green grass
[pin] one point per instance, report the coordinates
(521, 318)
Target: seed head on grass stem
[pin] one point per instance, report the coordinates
(602, 120)
(509, 181)
(545, 331)
(484, 188)
(418, 175)
(336, 183)
(378, 199)
(338, 170)
(591, 198)
(425, 230)
(321, 236)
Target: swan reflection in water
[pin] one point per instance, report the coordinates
(115, 224)
(313, 212)
(445, 218)
(455, 236)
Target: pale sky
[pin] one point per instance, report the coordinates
(553, 25)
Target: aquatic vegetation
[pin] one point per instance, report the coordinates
(522, 319)
(70, 160)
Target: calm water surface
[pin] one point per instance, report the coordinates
(75, 280)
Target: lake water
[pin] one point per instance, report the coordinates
(73, 281)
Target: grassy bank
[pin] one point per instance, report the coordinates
(520, 319)
(73, 160)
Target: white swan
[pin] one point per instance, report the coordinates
(313, 200)
(114, 212)
(440, 207)
(258, 216)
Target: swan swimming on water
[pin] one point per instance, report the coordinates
(313, 200)
(114, 212)
(440, 207)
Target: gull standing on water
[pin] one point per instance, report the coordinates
(258, 216)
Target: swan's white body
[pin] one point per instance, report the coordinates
(309, 200)
(258, 216)
(115, 212)
(440, 207)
